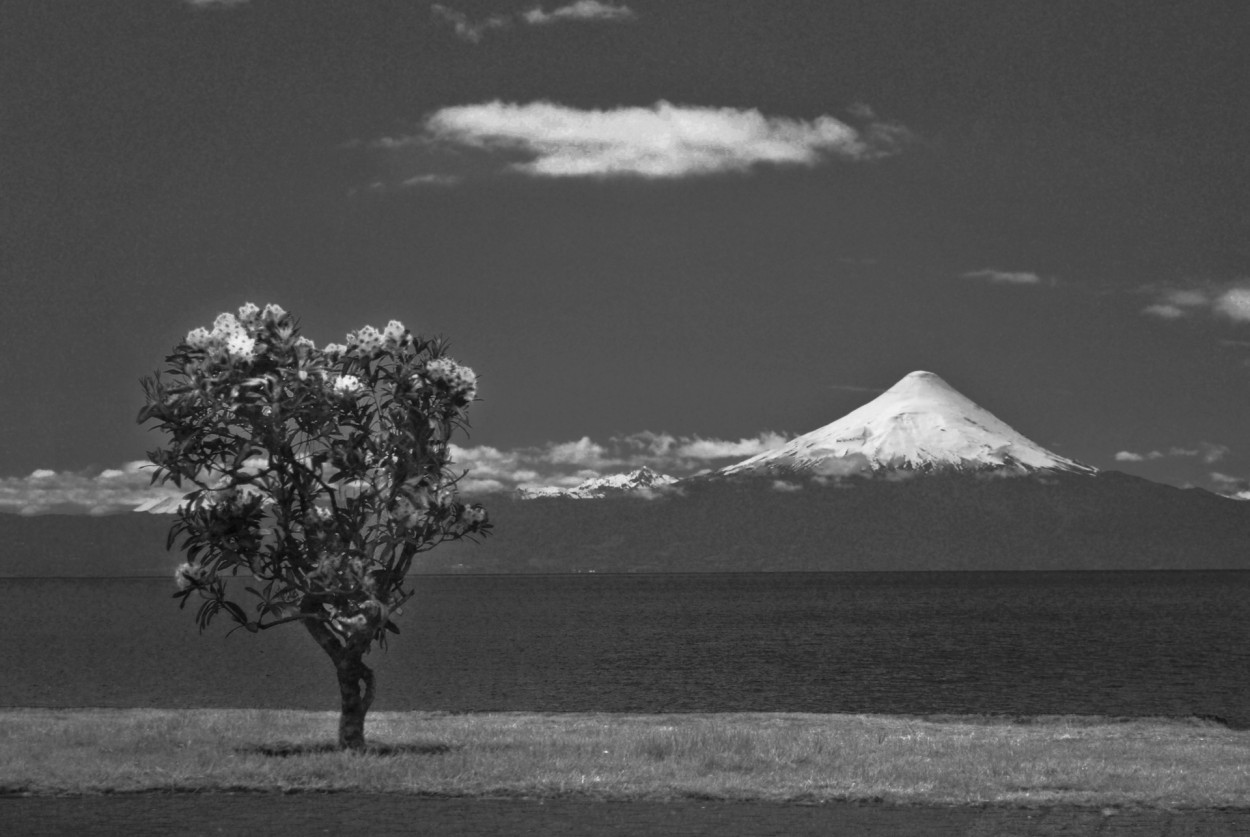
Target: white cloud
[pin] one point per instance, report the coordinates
(566, 464)
(486, 469)
(1164, 311)
(582, 452)
(844, 466)
(112, 490)
(1004, 277)
(1208, 452)
(582, 10)
(1234, 303)
(1229, 301)
(466, 29)
(663, 141)
(1237, 488)
(719, 449)
(1213, 453)
(432, 180)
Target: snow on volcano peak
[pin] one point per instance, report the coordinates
(920, 424)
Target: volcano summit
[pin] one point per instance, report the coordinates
(920, 424)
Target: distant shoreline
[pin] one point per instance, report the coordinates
(684, 573)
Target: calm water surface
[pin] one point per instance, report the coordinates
(1028, 643)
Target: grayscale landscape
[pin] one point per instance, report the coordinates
(777, 417)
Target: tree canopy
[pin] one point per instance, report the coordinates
(319, 475)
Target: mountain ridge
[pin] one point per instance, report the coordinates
(919, 479)
(639, 480)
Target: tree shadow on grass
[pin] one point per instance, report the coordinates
(284, 749)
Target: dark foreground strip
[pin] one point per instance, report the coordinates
(384, 814)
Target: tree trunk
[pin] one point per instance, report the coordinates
(356, 682)
(356, 691)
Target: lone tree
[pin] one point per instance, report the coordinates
(321, 473)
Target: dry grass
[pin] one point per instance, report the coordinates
(773, 757)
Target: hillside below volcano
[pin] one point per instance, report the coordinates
(932, 522)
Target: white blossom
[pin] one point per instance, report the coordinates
(226, 324)
(460, 379)
(317, 516)
(241, 347)
(248, 313)
(359, 622)
(198, 338)
(393, 334)
(473, 515)
(190, 575)
(346, 385)
(369, 339)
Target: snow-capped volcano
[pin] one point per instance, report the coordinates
(919, 424)
(641, 479)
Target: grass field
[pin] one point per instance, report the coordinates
(740, 756)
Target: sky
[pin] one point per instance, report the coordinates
(662, 233)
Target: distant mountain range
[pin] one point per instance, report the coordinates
(642, 480)
(921, 478)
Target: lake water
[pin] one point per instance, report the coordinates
(915, 643)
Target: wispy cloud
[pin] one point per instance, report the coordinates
(1208, 452)
(664, 141)
(429, 180)
(704, 450)
(1005, 277)
(466, 29)
(582, 11)
(1229, 301)
(1230, 486)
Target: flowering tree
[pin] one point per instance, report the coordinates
(321, 473)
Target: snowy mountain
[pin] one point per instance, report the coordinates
(641, 480)
(161, 505)
(921, 424)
